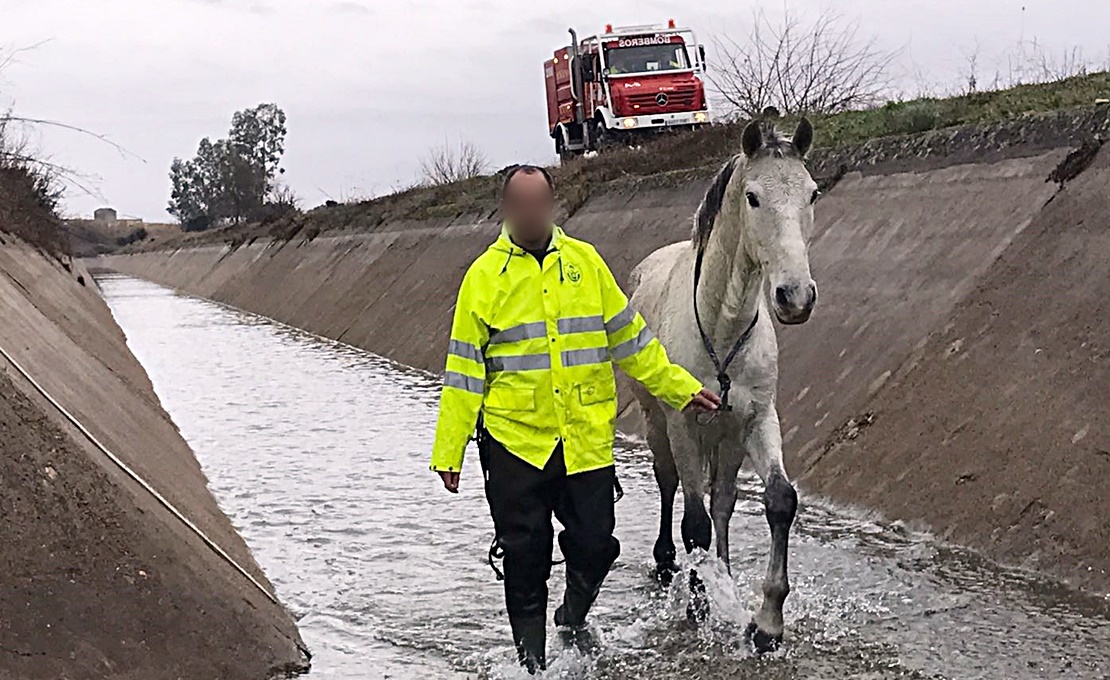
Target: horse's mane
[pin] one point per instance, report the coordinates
(711, 203)
(775, 145)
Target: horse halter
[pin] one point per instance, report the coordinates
(723, 380)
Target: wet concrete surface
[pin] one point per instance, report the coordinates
(318, 452)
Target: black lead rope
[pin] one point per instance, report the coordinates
(497, 552)
(723, 379)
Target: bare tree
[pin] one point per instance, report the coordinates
(818, 66)
(283, 196)
(445, 164)
(970, 73)
(16, 150)
(1030, 62)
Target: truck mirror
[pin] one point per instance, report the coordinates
(701, 53)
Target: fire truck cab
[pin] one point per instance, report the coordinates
(624, 83)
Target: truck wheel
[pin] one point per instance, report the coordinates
(561, 146)
(602, 138)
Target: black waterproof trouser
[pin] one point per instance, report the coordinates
(522, 500)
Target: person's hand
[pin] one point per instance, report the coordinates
(705, 401)
(450, 480)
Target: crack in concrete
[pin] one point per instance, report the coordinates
(16, 282)
(16, 652)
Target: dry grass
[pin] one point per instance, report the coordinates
(29, 194)
(25, 215)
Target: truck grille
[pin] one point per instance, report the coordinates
(646, 102)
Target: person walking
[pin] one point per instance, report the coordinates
(538, 323)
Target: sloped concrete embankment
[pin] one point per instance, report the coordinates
(97, 579)
(998, 426)
(898, 247)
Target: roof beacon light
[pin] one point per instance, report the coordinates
(608, 28)
(670, 23)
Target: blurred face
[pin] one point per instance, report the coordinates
(528, 206)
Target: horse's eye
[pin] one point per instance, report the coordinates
(816, 195)
(753, 200)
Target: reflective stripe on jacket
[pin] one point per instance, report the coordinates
(532, 349)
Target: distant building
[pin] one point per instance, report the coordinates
(105, 215)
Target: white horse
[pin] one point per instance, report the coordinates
(748, 258)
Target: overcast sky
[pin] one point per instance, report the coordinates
(369, 85)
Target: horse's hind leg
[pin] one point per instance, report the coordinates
(764, 445)
(697, 529)
(666, 476)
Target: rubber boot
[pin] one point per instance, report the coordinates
(530, 638)
(577, 600)
(570, 617)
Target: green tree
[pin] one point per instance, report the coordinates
(232, 180)
(258, 135)
(186, 202)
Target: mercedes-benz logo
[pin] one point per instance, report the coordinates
(661, 99)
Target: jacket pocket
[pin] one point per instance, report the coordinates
(510, 399)
(597, 392)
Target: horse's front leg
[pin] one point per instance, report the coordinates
(780, 500)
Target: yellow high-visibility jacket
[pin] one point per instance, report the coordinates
(532, 351)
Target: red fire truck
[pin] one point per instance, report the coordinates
(624, 83)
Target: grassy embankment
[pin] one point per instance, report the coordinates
(711, 146)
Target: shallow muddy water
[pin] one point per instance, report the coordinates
(318, 453)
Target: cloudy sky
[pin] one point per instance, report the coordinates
(370, 85)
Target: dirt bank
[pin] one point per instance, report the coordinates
(97, 580)
(904, 240)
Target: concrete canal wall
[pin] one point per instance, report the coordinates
(961, 273)
(97, 579)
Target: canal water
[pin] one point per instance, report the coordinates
(319, 454)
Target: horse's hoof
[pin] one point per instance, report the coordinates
(697, 612)
(665, 571)
(763, 643)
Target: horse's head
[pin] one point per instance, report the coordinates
(778, 197)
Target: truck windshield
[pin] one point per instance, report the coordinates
(647, 58)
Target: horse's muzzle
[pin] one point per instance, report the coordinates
(794, 302)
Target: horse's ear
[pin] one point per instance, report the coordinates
(803, 137)
(753, 139)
